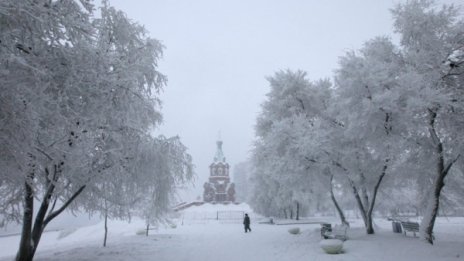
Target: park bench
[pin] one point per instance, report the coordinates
(337, 232)
(408, 226)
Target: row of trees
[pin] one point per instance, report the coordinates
(391, 121)
(78, 99)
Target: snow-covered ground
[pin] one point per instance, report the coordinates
(225, 240)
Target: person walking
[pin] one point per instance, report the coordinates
(246, 222)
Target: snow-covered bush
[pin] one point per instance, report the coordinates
(332, 246)
(294, 231)
(66, 232)
(141, 232)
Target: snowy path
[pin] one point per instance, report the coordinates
(205, 243)
(228, 242)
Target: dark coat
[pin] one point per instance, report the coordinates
(246, 220)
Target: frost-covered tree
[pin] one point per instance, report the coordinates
(114, 192)
(77, 93)
(291, 108)
(433, 42)
(391, 108)
(162, 164)
(370, 103)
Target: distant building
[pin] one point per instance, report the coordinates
(219, 188)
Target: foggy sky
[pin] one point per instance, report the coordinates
(218, 54)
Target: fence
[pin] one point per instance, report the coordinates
(228, 215)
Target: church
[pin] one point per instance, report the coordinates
(219, 189)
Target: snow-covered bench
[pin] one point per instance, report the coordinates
(337, 232)
(408, 226)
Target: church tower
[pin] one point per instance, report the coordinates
(219, 188)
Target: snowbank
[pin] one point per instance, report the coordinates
(215, 240)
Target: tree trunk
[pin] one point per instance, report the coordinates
(442, 170)
(106, 229)
(285, 213)
(25, 245)
(361, 207)
(36, 233)
(337, 207)
(364, 194)
(355, 191)
(148, 228)
(370, 206)
(30, 238)
(39, 224)
(430, 215)
(291, 212)
(370, 225)
(105, 202)
(297, 211)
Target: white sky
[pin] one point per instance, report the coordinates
(218, 54)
